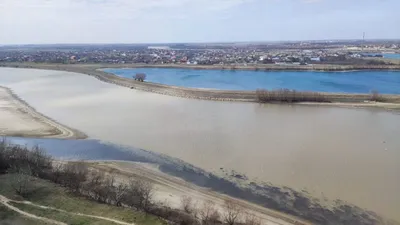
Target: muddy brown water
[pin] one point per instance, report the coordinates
(350, 154)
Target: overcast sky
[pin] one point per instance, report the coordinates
(162, 21)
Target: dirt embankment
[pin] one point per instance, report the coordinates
(335, 99)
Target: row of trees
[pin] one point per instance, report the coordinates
(103, 188)
(208, 213)
(286, 95)
(291, 96)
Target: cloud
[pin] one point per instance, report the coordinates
(100, 10)
(130, 21)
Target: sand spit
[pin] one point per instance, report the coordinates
(17, 118)
(392, 102)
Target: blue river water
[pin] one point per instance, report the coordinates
(391, 56)
(386, 82)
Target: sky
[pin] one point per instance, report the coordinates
(177, 21)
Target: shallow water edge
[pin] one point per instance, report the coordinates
(282, 199)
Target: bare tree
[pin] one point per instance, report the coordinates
(21, 181)
(251, 219)
(74, 175)
(118, 194)
(39, 162)
(140, 194)
(232, 212)
(187, 204)
(208, 213)
(93, 187)
(57, 173)
(376, 97)
(140, 77)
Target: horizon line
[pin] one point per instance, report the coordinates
(212, 42)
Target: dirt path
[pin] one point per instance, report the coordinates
(5, 201)
(35, 123)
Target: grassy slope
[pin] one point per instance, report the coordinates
(49, 194)
(60, 216)
(10, 217)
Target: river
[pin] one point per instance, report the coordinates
(350, 154)
(386, 82)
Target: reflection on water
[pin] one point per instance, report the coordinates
(77, 149)
(92, 150)
(348, 154)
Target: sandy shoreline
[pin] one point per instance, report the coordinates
(336, 99)
(21, 120)
(169, 190)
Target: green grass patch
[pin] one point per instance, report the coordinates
(49, 194)
(9, 217)
(60, 216)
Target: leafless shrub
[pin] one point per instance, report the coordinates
(57, 173)
(73, 175)
(93, 185)
(140, 77)
(106, 189)
(187, 204)
(173, 216)
(16, 156)
(139, 194)
(4, 164)
(208, 213)
(376, 97)
(289, 96)
(118, 194)
(39, 161)
(232, 212)
(251, 219)
(21, 181)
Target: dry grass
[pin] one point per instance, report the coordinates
(289, 96)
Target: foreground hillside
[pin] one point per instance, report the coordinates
(63, 206)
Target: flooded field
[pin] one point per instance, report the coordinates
(351, 154)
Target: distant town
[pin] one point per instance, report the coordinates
(299, 53)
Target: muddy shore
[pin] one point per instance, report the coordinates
(392, 102)
(21, 120)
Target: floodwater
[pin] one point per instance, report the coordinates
(350, 154)
(387, 82)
